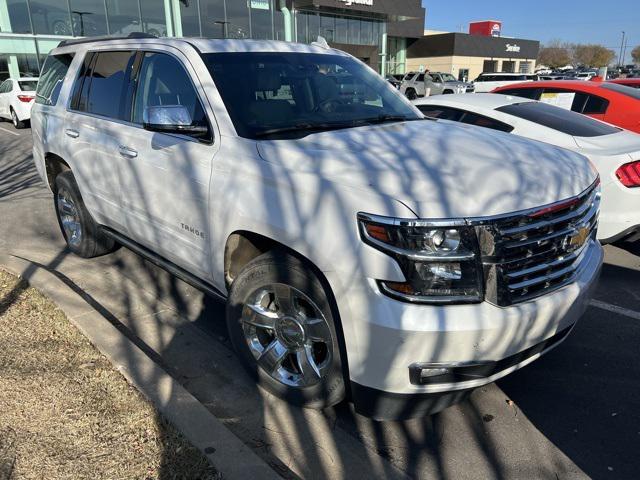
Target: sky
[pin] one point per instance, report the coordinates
(585, 21)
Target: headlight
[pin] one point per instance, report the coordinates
(440, 261)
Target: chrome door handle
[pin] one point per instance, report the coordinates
(72, 133)
(128, 152)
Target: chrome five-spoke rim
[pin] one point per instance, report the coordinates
(69, 217)
(288, 335)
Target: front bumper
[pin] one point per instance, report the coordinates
(392, 335)
(619, 213)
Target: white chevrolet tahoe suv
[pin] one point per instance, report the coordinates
(364, 251)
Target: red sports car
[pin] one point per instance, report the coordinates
(627, 82)
(606, 101)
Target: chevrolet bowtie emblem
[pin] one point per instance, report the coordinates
(578, 239)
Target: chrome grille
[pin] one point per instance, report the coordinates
(531, 254)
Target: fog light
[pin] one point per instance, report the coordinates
(423, 373)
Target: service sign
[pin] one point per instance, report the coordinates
(260, 4)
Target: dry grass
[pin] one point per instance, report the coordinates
(65, 413)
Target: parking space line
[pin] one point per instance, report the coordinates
(10, 132)
(615, 309)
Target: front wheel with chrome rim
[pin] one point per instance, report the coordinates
(282, 326)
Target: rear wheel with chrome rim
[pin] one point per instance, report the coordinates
(82, 234)
(282, 326)
(15, 120)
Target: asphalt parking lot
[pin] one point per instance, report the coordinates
(575, 413)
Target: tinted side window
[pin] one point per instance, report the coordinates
(595, 105)
(81, 86)
(109, 84)
(456, 115)
(486, 122)
(559, 119)
(531, 93)
(420, 78)
(162, 80)
(4, 87)
(53, 72)
(443, 113)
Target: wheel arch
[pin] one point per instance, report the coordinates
(242, 246)
(54, 166)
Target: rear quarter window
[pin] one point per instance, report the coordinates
(559, 119)
(52, 77)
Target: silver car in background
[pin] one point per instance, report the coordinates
(433, 83)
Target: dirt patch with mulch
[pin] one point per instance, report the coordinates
(66, 413)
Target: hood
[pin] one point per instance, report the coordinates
(621, 143)
(439, 169)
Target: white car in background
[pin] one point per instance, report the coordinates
(486, 82)
(16, 99)
(615, 152)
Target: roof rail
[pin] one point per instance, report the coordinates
(65, 43)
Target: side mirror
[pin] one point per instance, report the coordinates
(171, 119)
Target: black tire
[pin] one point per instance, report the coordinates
(448, 92)
(282, 268)
(17, 123)
(411, 94)
(91, 242)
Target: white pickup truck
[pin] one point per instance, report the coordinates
(364, 251)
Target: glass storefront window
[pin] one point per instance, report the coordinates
(328, 27)
(51, 17)
(190, 19)
(238, 18)
(88, 18)
(153, 17)
(4, 67)
(261, 19)
(340, 34)
(313, 27)
(212, 18)
(123, 16)
(301, 27)
(19, 16)
(366, 33)
(278, 25)
(354, 31)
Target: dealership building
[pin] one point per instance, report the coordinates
(466, 56)
(376, 31)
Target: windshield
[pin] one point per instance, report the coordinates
(623, 89)
(293, 94)
(447, 77)
(28, 85)
(559, 119)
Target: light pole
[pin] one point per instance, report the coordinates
(621, 47)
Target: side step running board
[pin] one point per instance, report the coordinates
(170, 267)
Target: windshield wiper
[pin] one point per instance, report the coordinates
(323, 127)
(386, 118)
(310, 127)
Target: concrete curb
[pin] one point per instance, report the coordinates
(233, 459)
